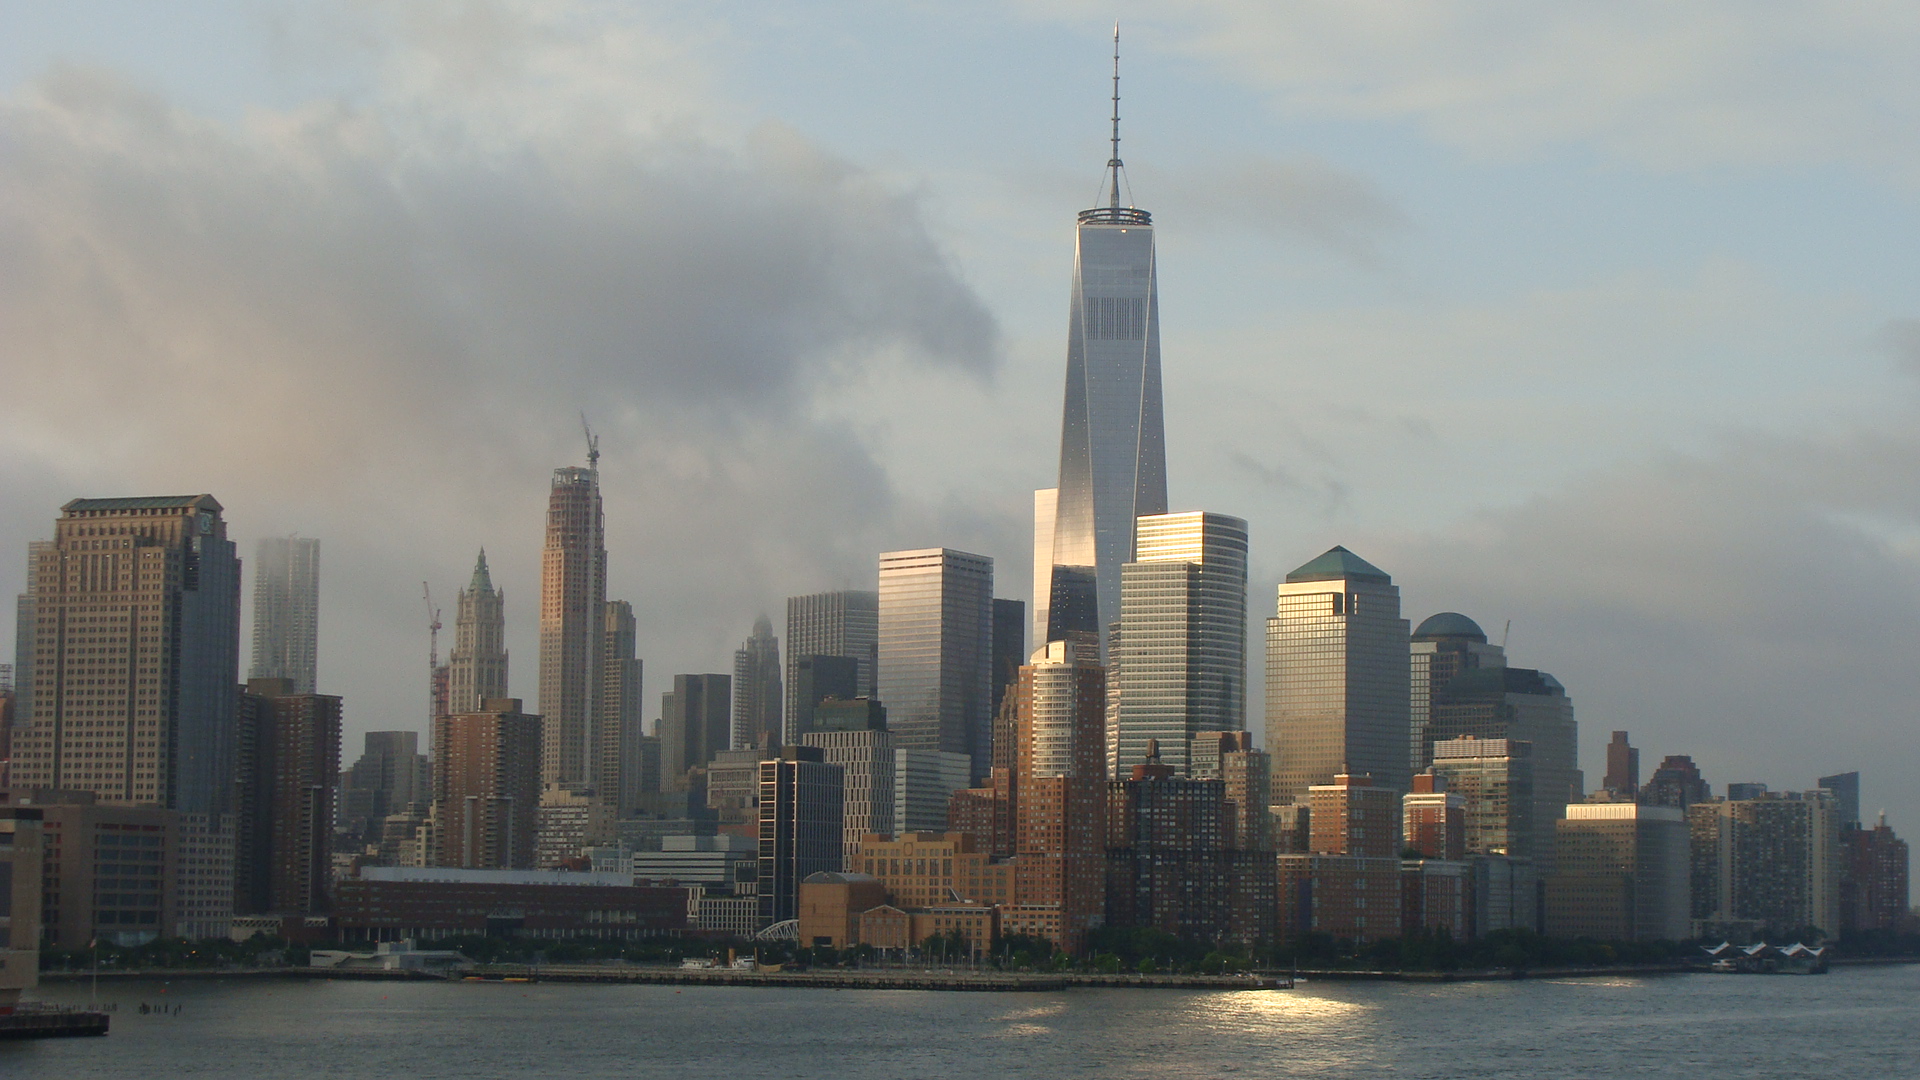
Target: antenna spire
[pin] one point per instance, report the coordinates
(1113, 163)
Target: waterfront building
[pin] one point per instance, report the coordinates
(1168, 864)
(286, 611)
(1436, 896)
(756, 689)
(696, 722)
(204, 873)
(1623, 767)
(477, 668)
(1873, 880)
(1622, 874)
(1113, 461)
(398, 903)
(1772, 862)
(486, 786)
(1495, 781)
(22, 871)
(924, 783)
(1353, 817)
(866, 758)
(573, 597)
(288, 758)
(801, 801)
(87, 843)
(936, 652)
(1181, 655)
(831, 903)
(1506, 894)
(1433, 820)
(1354, 897)
(136, 639)
(1337, 677)
(845, 623)
(618, 781)
(1060, 818)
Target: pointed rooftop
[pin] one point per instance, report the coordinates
(1339, 564)
(482, 581)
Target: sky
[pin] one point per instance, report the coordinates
(1594, 323)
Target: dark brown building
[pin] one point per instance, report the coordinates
(1167, 862)
(1873, 878)
(287, 758)
(486, 786)
(372, 910)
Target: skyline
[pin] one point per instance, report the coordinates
(1659, 556)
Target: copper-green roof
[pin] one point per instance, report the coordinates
(1339, 564)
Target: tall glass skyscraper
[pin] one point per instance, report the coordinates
(1181, 656)
(844, 623)
(1113, 458)
(286, 611)
(1337, 677)
(936, 651)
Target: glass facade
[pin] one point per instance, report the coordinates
(1113, 461)
(1337, 677)
(286, 611)
(936, 651)
(1181, 653)
(843, 623)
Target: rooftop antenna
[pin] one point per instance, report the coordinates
(1505, 634)
(593, 443)
(1113, 163)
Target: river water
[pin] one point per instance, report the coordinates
(1855, 1024)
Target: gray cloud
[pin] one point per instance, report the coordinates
(374, 323)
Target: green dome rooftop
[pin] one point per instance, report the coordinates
(1449, 624)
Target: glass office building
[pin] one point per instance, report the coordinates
(936, 651)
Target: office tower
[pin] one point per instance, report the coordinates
(615, 781)
(573, 597)
(1622, 874)
(696, 720)
(1433, 820)
(844, 623)
(801, 831)
(924, 782)
(1009, 648)
(1168, 867)
(756, 689)
(856, 714)
(136, 653)
(815, 679)
(1846, 796)
(1351, 816)
(567, 822)
(203, 874)
(1527, 706)
(1113, 458)
(286, 611)
(936, 652)
(1181, 656)
(477, 669)
(21, 873)
(1495, 779)
(1873, 879)
(88, 843)
(1443, 646)
(390, 775)
(288, 759)
(1337, 677)
(866, 760)
(1623, 766)
(486, 786)
(1060, 820)
(1677, 782)
(1771, 862)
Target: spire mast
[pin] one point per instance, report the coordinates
(1113, 163)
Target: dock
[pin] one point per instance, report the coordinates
(33, 1020)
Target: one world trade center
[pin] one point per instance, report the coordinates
(1113, 458)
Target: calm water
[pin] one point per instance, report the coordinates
(1855, 1024)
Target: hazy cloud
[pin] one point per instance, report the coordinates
(1293, 201)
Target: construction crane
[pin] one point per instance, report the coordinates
(593, 443)
(433, 654)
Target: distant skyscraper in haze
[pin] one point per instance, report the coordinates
(696, 720)
(841, 623)
(1623, 766)
(1113, 459)
(1181, 656)
(1337, 677)
(573, 597)
(1846, 795)
(936, 651)
(756, 689)
(477, 669)
(286, 611)
(1009, 647)
(136, 608)
(616, 779)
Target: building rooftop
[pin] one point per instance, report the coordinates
(146, 502)
(1339, 564)
(1449, 624)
